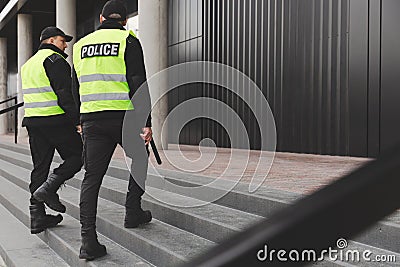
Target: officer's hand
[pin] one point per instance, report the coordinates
(147, 134)
(79, 129)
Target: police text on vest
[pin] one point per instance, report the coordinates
(100, 50)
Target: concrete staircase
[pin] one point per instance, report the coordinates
(175, 234)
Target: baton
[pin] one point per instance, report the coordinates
(155, 151)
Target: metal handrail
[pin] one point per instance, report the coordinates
(9, 99)
(14, 107)
(341, 210)
(17, 106)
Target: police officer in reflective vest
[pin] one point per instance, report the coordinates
(51, 118)
(109, 69)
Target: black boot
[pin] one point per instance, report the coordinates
(47, 193)
(133, 220)
(91, 248)
(40, 220)
(136, 216)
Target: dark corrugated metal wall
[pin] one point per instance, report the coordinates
(390, 69)
(321, 65)
(185, 44)
(296, 52)
(374, 63)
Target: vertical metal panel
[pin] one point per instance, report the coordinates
(175, 21)
(234, 29)
(358, 64)
(223, 59)
(201, 16)
(334, 96)
(309, 43)
(194, 19)
(188, 15)
(277, 69)
(181, 21)
(343, 78)
(374, 77)
(185, 44)
(390, 94)
(206, 51)
(258, 65)
(215, 134)
(336, 52)
(301, 66)
(170, 24)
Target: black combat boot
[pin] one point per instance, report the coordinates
(47, 193)
(136, 216)
(40, 220)
(91, 248)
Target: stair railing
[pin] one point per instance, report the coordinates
(14, 108)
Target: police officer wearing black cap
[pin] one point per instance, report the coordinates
(52, 119)
(108, 71)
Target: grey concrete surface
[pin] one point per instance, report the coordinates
(3, 83)
(66, 21)
(384, 234)
(65, 238)
(24, 52)
(20, 248)
(211, 221)
(153, 32)
(158, 242)
(15, 164)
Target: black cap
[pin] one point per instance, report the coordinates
(52, 32)
(114, 10)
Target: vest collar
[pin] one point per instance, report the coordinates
(54, 48)
(109, 24)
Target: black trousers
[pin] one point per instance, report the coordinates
(100, 139)
(43, 141)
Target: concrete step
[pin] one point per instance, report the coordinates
(27, 249)
(376, 258)
(384, 234)
(211, 221)
(202, 221)
(158, 242)
(65, 238)
(264, 202)
(115, 188)
(69, 197)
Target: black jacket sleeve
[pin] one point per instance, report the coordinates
(75, 89)
(136, 76)
(59, 73)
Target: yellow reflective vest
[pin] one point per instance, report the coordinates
(40, 99)
(99, 62)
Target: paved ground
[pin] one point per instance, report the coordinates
(299, 173)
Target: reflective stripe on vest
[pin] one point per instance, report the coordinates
(40, 99)
(99, 62)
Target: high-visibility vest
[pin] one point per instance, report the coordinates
(40, 99)
(99, 62)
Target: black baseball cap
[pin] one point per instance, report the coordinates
(114, 10)
(52, 32)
